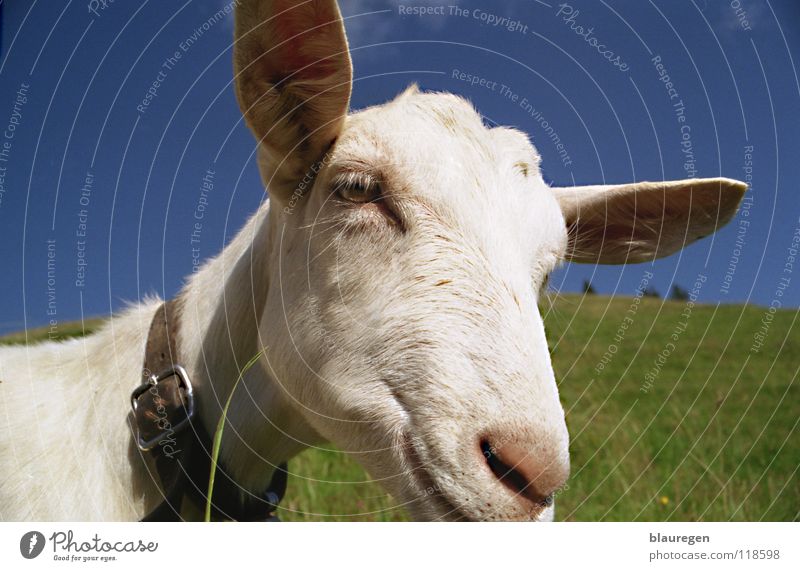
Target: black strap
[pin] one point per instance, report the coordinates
(179, 444)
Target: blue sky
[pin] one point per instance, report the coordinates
(73, 83)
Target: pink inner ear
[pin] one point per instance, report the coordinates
(304, 36)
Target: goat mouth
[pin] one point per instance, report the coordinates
(426, 486)
(429, 490)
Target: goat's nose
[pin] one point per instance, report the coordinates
(532, 477)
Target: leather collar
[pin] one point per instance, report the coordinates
(166, 429)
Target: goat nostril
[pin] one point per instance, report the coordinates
(502, 471)
(516, 472)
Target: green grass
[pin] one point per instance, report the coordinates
(65, 330)
(716, 437)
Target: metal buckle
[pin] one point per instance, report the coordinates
(153, 381)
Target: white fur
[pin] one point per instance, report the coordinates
(402, 334)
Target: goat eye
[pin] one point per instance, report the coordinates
(358, 191)
(522, 168)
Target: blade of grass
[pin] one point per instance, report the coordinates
(218, 432)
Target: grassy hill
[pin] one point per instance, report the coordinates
(674, 415)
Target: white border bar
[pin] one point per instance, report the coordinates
(406, 546)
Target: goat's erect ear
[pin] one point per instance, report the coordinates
(629, 223)
(293, 81)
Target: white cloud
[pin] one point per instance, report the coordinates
(729, 16)
(373, 21)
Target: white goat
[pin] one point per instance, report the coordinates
(392, 279)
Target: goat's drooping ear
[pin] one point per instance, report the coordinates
(293, 81)
(630, 223)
